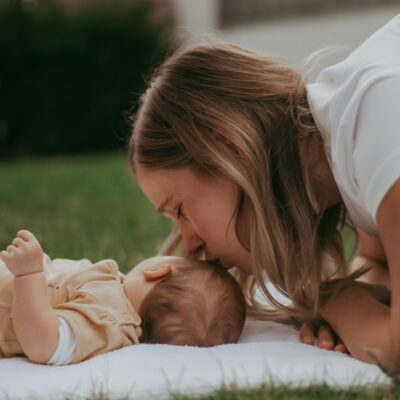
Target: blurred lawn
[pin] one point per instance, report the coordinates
(83, 207)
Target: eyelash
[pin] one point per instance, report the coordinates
(180, 213)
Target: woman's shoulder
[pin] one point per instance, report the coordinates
(379, 51)
(336, 94)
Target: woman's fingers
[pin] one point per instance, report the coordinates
(340, 346)
(306, 333)
(326, 337)
(321, 333)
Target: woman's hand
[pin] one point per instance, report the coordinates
(319, 333)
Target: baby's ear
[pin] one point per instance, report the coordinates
(157, 273)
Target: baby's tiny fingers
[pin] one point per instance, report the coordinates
(17, 242)
(3, 255)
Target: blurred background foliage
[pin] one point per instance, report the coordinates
(68, 79)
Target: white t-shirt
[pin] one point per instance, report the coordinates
(356, 106)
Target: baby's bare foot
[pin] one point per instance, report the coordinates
(24, 256)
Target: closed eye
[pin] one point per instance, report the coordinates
(180, 213)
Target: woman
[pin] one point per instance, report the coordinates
(259, 171)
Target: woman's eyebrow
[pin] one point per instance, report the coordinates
(163, 204)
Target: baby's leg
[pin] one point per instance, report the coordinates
(35, 322)
(24, 256)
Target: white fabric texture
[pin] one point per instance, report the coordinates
(267, 352)
(356, 107)
(65, 350)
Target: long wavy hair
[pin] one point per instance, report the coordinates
(240, 116)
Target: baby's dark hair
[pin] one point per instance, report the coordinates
(199, 304)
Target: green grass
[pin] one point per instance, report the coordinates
(318, 392)
(86, 207)
(90, 207)
(271, 392)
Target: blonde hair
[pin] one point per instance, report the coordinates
(199, 304)
(237, 115)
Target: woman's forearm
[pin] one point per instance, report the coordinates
(395, 309)
(363, 324)
(35, 322)
(388, 221)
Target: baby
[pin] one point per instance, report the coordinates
(61, 312)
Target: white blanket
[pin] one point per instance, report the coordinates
(267, 352)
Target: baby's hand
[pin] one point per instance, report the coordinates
(24, 256)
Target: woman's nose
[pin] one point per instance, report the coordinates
(193, 244)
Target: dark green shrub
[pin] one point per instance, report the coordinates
(66, 80)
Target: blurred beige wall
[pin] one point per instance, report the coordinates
(197, 15)
(292, 37)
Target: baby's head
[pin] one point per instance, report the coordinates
(187, 302)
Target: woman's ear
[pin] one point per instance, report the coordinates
(158, 273)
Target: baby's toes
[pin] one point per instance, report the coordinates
(18, 242)
(27, 236)
(11, 249)
(4, 255)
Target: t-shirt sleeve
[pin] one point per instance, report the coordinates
(376, 153)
